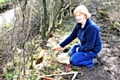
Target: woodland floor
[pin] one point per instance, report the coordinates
(110, 52)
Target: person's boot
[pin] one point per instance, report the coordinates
(97, 60)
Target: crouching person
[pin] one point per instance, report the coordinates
(88, 33)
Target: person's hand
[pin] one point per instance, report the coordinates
(57, 48)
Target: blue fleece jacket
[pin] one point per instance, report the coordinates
(89, 37)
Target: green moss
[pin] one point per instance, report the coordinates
(9, 76)
(3, 1)
(116, 24)
(100, 14)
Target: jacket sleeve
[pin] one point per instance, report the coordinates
(90, 35)
(70, 38)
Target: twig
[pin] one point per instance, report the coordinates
(75, 74)
(46, 78)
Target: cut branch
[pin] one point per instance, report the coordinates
(62, 74)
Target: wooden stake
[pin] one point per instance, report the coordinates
(40, 56)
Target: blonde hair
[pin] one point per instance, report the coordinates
(83, 10)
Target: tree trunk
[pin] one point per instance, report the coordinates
(45, 24)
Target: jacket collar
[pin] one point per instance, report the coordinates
(86, 24)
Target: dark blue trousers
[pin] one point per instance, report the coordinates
(81, 58)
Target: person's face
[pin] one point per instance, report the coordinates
(80, 17)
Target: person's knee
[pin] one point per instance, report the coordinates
(73, 62)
